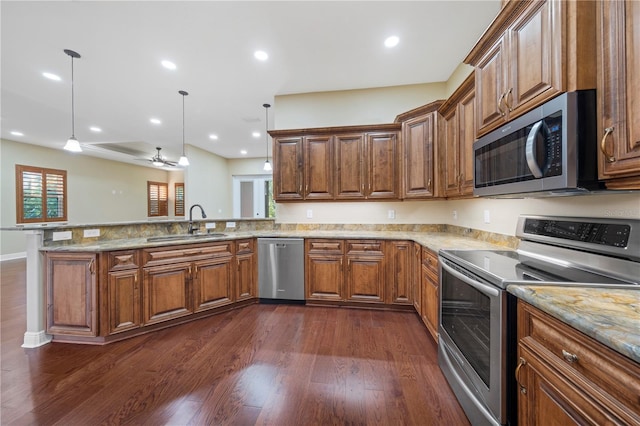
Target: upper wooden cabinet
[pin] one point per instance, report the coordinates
(456, 137)
(420, 166)
(531, 52)
(619, 92)
(337, 163)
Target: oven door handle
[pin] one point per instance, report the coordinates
(487, 289)
(530, 150)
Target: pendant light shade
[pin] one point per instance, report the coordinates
(183, 161)
(72, 143)
(267, 165)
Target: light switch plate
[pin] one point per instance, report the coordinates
(391, 214)
(309, 214)
(487, 216)
(61, 235)
(88, 233)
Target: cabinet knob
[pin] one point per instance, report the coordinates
(603, 145)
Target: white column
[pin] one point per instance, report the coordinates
(35, 335)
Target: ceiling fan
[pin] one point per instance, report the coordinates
(158, 160)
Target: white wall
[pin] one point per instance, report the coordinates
(208, 183)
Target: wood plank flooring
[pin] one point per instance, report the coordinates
(260, 365)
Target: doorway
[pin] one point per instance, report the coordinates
(253, 196)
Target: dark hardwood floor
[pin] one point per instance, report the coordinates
(263, 364)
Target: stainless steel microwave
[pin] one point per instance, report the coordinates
(551, 150)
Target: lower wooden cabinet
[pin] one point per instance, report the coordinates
(247, 273)
(365, 273)
(167, 292)
(324, 274)
(400, 279)
(71, 294)
(416, 278)
(565, 377)
(213, 283)
(124, 310)
(430, 309)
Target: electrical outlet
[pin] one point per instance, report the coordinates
(391, 214)
(210, 225)
(487, 216)
(455, 215)
(62, 235)
(309, 214)
(88, 233)
(231, 225)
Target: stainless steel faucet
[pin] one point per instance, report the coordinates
(204, 216)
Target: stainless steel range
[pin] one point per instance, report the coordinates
(477, 342)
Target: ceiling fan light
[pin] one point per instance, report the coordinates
(183, 161)
(73, 145)
(157, 163)
(267, 166)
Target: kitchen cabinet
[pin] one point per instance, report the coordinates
(420, 171)
(430, 296)
(123, 291)
(400, 262)
(247, 270)
(71, 294)
(565, 377)
(337, 163)
(530, 53)
(167, 292)
(213, 280)
(618, 24)
(365, 273)
(324, 275)
(456, 139)
(416, 278)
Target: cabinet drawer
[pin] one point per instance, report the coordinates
(180, 253)
(125, 259)
(324, 246)
(430, 260)
(580, 358)
(244, 246)
(365, 247)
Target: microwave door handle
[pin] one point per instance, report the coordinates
(487, 289)
(529, 150)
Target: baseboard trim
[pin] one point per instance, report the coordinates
(13, 256)
(34, 339)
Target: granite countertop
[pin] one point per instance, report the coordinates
(611, 316)
(432, 240)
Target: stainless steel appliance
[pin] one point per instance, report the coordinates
(551, 150)
(281, 269)
(477, 330)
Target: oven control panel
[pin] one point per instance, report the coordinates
(608, 234)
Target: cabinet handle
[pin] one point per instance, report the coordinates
(195, 272)
(522, 362)
(603, 147)
(500, 99)
(306, 189)
(429, 185)
(300, 189)
(92, 266)
(506, 99)
(569, 357)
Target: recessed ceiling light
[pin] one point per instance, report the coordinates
(51, 76)
(391, 41)
(261, 55)
(155, 121)
(243, 152)
(95, 129)
(17, 133)
(213, 137)
(255, 134)
(169, 65)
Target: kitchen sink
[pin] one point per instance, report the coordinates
(184, 237)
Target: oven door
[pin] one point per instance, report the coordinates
(472, 343)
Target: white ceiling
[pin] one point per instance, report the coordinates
(120, 83)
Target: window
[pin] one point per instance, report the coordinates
(179, 203)
(41, 194)
(157, 199)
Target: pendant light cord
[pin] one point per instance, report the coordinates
(266, 129)
(73, 114)
(183, 126)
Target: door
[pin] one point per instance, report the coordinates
(213, 283)
(124, 300)
(253, 196)
(382, 170)
(287, 168)
(400, 272)
(246, 277)
(418, 140)
(318, 168)
(166, 292)
(350, 179)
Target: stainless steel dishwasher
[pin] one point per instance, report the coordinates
(281, 270)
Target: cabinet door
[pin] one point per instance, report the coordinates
(449, 141)
(212, 283)
(365, 278)
(430, 301)
(350, 179)
(416, 278)
(490, 75)
(535, 56)
(382, 170)
(246, 277)
(71, 294)
(324, 277)
(287, 170)
(399, 262)
(418, 142)
(124, 300)
(318, 168)
(166, 292)
(466, 138)
(619, 91)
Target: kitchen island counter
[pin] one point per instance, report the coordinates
(610, 316)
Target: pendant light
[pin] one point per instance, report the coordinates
(72, 143)
(267, 164)
(183, 161)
